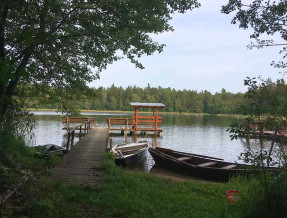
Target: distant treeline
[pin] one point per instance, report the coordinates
(118, 98)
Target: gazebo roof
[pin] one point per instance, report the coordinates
(147, 105)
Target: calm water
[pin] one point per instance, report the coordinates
(205, 135)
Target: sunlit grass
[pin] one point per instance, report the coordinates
(126, 194)
(133, 194)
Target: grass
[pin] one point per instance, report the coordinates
(132, 194)
(16, 159)
(125, 194)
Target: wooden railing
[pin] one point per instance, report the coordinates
(148, 120)
(85, 127)
(150, 123)
(144, 123)
(127, 123)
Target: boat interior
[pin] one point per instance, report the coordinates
(200, 161)
(126, 150)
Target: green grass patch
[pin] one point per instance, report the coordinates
(130, 194)
(16, 160)
(133, 194)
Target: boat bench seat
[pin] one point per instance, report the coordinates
(184, 158)
(133, 148)
(231, 166)
(207, 164)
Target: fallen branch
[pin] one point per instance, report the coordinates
(9, 193)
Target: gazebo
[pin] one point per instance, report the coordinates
(138, 123)
(147, 123)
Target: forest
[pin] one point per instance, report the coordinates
(118, 98)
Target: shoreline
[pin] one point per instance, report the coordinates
(127, 112)
(143, 112)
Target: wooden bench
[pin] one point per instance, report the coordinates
(68, 120)
(184, 158)
(231, 166)
(133, 148)
(207, 164)
(127, 122)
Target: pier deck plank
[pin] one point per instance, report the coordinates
(77, 166)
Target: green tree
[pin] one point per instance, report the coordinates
(68, 43)
(268, 99)
(265, 17)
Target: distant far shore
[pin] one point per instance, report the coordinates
(115, 111)
(146, 112)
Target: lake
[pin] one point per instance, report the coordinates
(205, 135)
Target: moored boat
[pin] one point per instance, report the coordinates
(199, 165)
(126, 154)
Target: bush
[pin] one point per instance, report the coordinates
(262, 196)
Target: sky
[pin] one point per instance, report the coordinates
(205, 52)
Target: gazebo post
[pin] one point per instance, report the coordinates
(156, 121)
(136, 120)
(153, 118)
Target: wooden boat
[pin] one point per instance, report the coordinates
(199, 165)
(126, 154)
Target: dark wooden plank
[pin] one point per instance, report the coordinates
(184, 158)
(231, 166)
(78, 164)
(207, 164)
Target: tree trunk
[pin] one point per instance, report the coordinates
(271, 148)
(6, 97)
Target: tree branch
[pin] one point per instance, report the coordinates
(3, 21)
(71, 36)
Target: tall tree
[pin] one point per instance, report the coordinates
(265, 17)
(60, 42)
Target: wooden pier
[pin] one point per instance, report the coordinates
(78, 165)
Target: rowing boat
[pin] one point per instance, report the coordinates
(126, 154)
(200, 166)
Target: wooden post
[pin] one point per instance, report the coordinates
(67, 146)
(156, 121)
(155, 140)
(73, 136)
(80, 132)
(111, 144)
(136, 120)
(68, 124)
(153, 118)
(109, 123)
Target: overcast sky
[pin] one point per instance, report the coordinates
(205, 52)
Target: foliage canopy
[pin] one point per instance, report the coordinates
(60, 42)
(265, 17)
